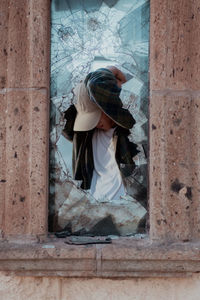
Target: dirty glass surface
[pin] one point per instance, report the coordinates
(87, 35)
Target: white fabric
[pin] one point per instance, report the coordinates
(106, 181)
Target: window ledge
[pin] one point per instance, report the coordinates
(124, 258)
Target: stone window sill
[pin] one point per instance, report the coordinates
(124, 258)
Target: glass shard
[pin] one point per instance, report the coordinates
(87, 35)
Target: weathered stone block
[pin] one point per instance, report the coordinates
(172, 199)
(2, 157)
(174, 55)
(26, 162)
(3, 42)
(27, 50)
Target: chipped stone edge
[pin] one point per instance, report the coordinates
(122, 259)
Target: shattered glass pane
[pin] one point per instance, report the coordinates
(87, 35)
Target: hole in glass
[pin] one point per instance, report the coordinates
(85, 36)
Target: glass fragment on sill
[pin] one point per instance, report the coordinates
(85, 36)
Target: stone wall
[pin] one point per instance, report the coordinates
(174, 147)
(29, 288)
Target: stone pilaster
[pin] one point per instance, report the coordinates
(174, 120)
(24, 98)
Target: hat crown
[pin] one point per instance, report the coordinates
(82, 100)
(88, 113)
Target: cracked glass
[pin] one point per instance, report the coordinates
(87, 35)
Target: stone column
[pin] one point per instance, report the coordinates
(174, 120)
(24, 100)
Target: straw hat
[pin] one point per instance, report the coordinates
(88, 113)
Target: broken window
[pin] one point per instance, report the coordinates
(87, 35)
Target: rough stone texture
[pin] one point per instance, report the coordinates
(25, 184)
(131, 289)
(174, 191)
(27, 49)
(28, 288)
(174, 45)
(2, 158)
(4, 42)
(17, 156)
(123, 258)
(174, 121)
(39, 162)
(23, 288)
(40, 42)
(24, 85)
(3, 105)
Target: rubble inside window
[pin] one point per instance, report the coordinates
(87, 35)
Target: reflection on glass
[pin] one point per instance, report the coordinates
(87, 35)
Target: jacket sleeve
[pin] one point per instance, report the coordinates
(69, 116)
(125, 151)
(82, 159)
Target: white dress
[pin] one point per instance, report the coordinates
(106, 180)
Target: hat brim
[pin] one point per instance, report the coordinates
(104, 92)
(119, 115)
(87, 120)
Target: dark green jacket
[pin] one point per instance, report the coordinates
(82, 158)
